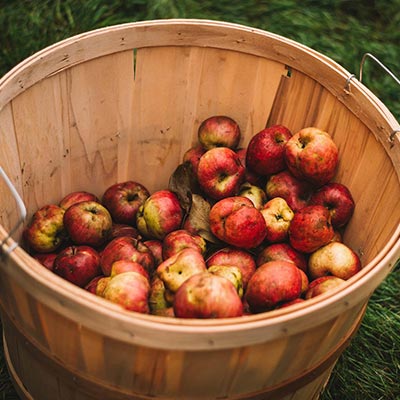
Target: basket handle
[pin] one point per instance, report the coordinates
(380, 63)
(22, 214)
(388, 71)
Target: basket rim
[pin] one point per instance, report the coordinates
(76, 302)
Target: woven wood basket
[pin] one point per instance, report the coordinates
(124, 102)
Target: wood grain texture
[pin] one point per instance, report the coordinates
(279, 369)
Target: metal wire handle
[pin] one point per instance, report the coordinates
(22, 212)
(387, 70)
(379, 63)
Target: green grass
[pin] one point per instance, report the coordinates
(343, 30)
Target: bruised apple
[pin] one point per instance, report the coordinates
(179, 267)
(160, 214)
(273, 283)
(311, 229)
(45, 232)
(278, 216)
(130, 290)
(335, 259)
(311, 154)
(237, 222)
(206, 295)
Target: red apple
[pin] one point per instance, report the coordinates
(312, 155)
(130, 290)
(206, 295)
(45, 232)
(46, 259)
(311, 229)
(339, 201)
(219, 131)
(278, 216)
(335, 258)
(249, 175)
(236, 257)
(88, 222)
(181, 239)
(155, 247)
(176, 269)
(118, 230)
(76, 197)
(322, 285)
(126, 248)
(266, 150)
(77, 264)
(254, 193)
(160, 214)
(123, 201)
(273, 283)
(121, 266)
(237, 222)
(284, 252)
(295, 191)
(193, 155)
(220, 173)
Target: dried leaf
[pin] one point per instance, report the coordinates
(199, 218)
(183, 183)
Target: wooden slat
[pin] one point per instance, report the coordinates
(172, 98)
(11, 165)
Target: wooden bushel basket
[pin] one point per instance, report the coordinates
(124, 102)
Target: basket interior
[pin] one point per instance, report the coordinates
(133, 113)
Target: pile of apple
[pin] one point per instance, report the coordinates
(236, 231)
